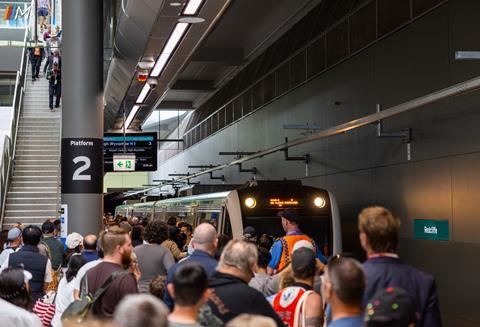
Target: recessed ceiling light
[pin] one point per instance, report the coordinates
(175, 4)
(131, 115)
(191, 20)
(192, 7)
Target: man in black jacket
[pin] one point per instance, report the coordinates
(54, 76)
(230, 294)
(383, 268)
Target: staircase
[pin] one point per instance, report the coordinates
(34, 194)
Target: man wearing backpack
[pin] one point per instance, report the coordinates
(298, 305)
(54, 77)
(117, 248)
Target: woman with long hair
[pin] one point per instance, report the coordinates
(65, 288)
(14, 287)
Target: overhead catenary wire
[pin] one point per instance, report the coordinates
(451, 91)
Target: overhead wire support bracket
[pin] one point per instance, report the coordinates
(192, 183)
(242, 170)
(179, 175)
(202, 166)
(236, 153)
(221, 177)
(405, 134)
(304, 158)
(171, 140)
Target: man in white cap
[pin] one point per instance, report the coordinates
(14, 240)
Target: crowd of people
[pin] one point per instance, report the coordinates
(145, 273)
(52, 69)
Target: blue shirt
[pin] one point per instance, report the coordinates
(356, 321)
(277, 249)
(203, 258)
(90, 255)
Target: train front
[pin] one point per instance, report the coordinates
(260, 204)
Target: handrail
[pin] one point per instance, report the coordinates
(59, 172)
(10, 142)
(448, 92)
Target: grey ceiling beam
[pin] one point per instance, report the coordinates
(194, 85)
(228, 56)
(165, 105)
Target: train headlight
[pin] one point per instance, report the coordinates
(250, 202)
(319, 202)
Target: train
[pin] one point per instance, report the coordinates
(255, 204)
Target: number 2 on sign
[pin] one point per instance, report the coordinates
(77, 173)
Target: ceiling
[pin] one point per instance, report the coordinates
(210, 54)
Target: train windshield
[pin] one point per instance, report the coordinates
(317, 227)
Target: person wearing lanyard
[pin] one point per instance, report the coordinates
(379, 230)
(282, 248)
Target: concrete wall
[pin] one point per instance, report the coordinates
(441, 180)
(11, 56)
(124, 180)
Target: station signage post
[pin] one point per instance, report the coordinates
(82, 114)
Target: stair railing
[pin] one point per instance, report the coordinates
(59, 171)
(10, 141)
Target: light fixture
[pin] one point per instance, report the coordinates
(143, 94)
(131, 115)
(192, 7)
(250, 202)
(191, 20)
(161, 62)
(175, 37)
(170, 46)
(175, 4)
(319, 202)
(178, 32)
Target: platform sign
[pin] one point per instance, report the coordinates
(81, 159)
(123, 162)
(142, 145)
(436, 230)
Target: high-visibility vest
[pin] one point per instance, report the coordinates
(288, 242)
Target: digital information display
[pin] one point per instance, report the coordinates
(282, 203)
(143, 145)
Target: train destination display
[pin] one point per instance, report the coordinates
(142, 145)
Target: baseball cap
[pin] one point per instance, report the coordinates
(290, 214)
(249, 232)
(390, 307)
(13, 234)
(303, 260)
(48, 227)
(73, 240)
(303, 244)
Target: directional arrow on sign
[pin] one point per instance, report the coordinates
(120, 164)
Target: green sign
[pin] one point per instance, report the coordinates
(124, 162)
(436, 230)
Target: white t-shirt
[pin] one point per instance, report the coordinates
(4, 255)
(48, 270)
(86, 267)
(13, 316)
(63, 299)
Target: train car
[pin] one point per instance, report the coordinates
(254, 204)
